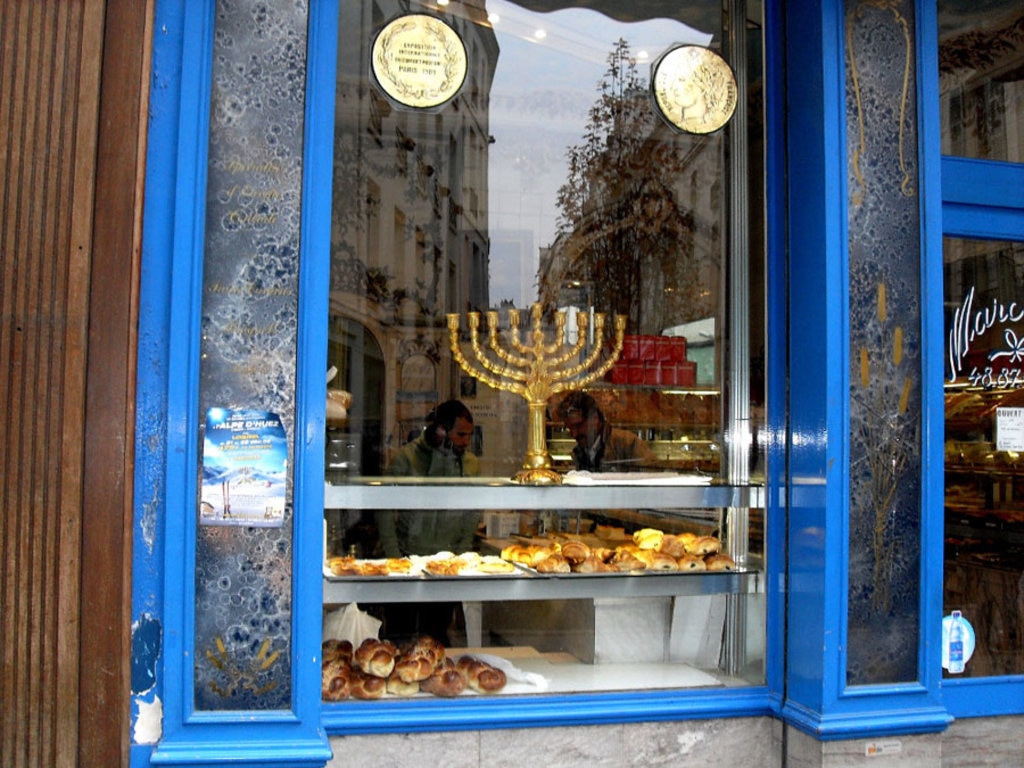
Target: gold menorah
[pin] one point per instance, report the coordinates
(536, 370)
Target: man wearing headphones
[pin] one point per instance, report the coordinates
(440, 451)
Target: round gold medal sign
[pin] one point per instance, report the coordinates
(419, 61)
(694, 89)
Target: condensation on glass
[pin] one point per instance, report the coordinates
(249, 319)
(885, 360)
(551, 181)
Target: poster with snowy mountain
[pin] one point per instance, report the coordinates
(245, 464)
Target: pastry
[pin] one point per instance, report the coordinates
(625, 560)
(481, 676)
(691, 563)
(575, 551)
(673, 545)
(719, 562)
(493, 565)
(343, 566)
(648, 538)
(553, 563)
(398, 565)
(662, 562)
(704, 545)
(593, 564)
(375, 657)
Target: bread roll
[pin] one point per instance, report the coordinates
(413, 670)
(375, 657)
(363, 686)
(336, 650)
(334, 680)
(481, 676)
(446, 681)
(396, 686)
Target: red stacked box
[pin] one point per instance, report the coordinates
(653, 360)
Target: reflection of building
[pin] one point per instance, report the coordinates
(409, 221)
(981, 82)
(650, 244)
(982, 89)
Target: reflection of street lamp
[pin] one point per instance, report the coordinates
(577, 294)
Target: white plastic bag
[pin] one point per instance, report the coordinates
(350, 623)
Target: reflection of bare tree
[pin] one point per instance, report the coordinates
(623, 228)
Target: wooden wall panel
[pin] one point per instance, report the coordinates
(52, 336)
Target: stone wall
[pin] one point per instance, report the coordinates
(757, 742)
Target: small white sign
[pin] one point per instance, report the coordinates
(1010, 429)
(880, 748)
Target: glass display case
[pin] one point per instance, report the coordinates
(547, 326)
(670, 622)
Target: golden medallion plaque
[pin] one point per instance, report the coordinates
(419, 61)
(694, 88)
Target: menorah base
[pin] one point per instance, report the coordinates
(537, 476)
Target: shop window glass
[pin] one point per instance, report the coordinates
(984, 532)
(981, 79)
(547, 190)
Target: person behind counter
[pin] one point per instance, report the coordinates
(441, 450)
(600, 447)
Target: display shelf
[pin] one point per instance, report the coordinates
(682, 492)
(541, 587)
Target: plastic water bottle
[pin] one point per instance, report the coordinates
(956, 645)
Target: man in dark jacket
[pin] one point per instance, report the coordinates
(600, 447)
(442, 450)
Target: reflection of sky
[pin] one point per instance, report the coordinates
(539, 102)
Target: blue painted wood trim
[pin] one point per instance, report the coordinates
(982, 199)
(817, 347)
(487, 713)
(818, 699)
(776, 357)
(933, 421)
(149, 696)
(167, 446)
(984, 696)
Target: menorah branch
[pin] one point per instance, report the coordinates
(534, 371)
